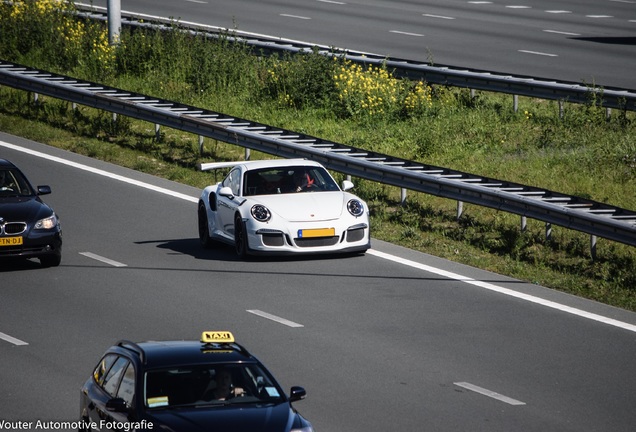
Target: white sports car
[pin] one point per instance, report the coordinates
(285, 206)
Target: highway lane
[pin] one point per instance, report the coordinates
(586, 42)
(379, 343)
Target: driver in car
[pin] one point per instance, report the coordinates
(302, 180)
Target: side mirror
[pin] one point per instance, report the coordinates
(117, 405)
(346, 185)
(226, 192)
(297, 393)
(44, 190)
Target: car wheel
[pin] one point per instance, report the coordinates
(51, 260)
(204, 232)
(240, 237)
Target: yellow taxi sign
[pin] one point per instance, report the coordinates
(217, 337)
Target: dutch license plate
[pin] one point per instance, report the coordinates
(10, 241)
(318, 232)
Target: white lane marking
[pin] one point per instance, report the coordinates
(562, 32)
(480, 2)
(405, 33)
(623, 1)
(506, 291)
(332, 2)
(599, 16)
(197, 1)
(538, 53)
(295, 16)
(438, 16)
(100, 172)
(274, 318)
(382, 255)
(518, 7)
(558, 11)
(489, 393)
(12, 340)
(102, 259)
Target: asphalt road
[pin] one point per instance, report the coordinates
(586, 42)
(392, 340)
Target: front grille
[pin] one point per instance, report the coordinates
(273, 240)
(355, 235)
(316, 241)
(13, 228)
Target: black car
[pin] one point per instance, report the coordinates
(210, 385)
(28, 227)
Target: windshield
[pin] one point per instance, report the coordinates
(13, 183)
(293, 179)
(204, 385)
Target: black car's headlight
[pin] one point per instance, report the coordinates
(260, 213)
(355, 207)
(47, 223)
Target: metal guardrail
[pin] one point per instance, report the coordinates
(595, 218)
(562, 91)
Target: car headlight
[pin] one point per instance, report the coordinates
(47, 223)
(260, 213)
(355, 207)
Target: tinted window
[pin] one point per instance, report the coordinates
(12, 182)
(114, 375)
(127, 387)
(103, 367)
(211, 384)
(288, 180)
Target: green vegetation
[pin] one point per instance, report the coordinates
(582, 153)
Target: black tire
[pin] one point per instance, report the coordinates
(240, 237)
(53, 260)
(204, 232)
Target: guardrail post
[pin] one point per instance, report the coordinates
(561, 110)
(402, 196)
(114, 21)
(114, 117)
(515, 103)
(593, 246)
(200, 145)
(608, 113)
(460, 209)
(247, 153)
(524, 224)
(548, 231)
(157, 131)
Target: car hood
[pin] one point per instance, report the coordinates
(247, 418)
(305, 206)
(23, 209)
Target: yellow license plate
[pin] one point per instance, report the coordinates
(10, 241)
(319, 232)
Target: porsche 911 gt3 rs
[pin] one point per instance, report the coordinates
(287, 206)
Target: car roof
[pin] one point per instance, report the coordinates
(163, 354)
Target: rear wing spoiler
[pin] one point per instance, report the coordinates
(216, 165)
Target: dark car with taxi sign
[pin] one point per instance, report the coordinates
(29, 228)
(213, 384)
